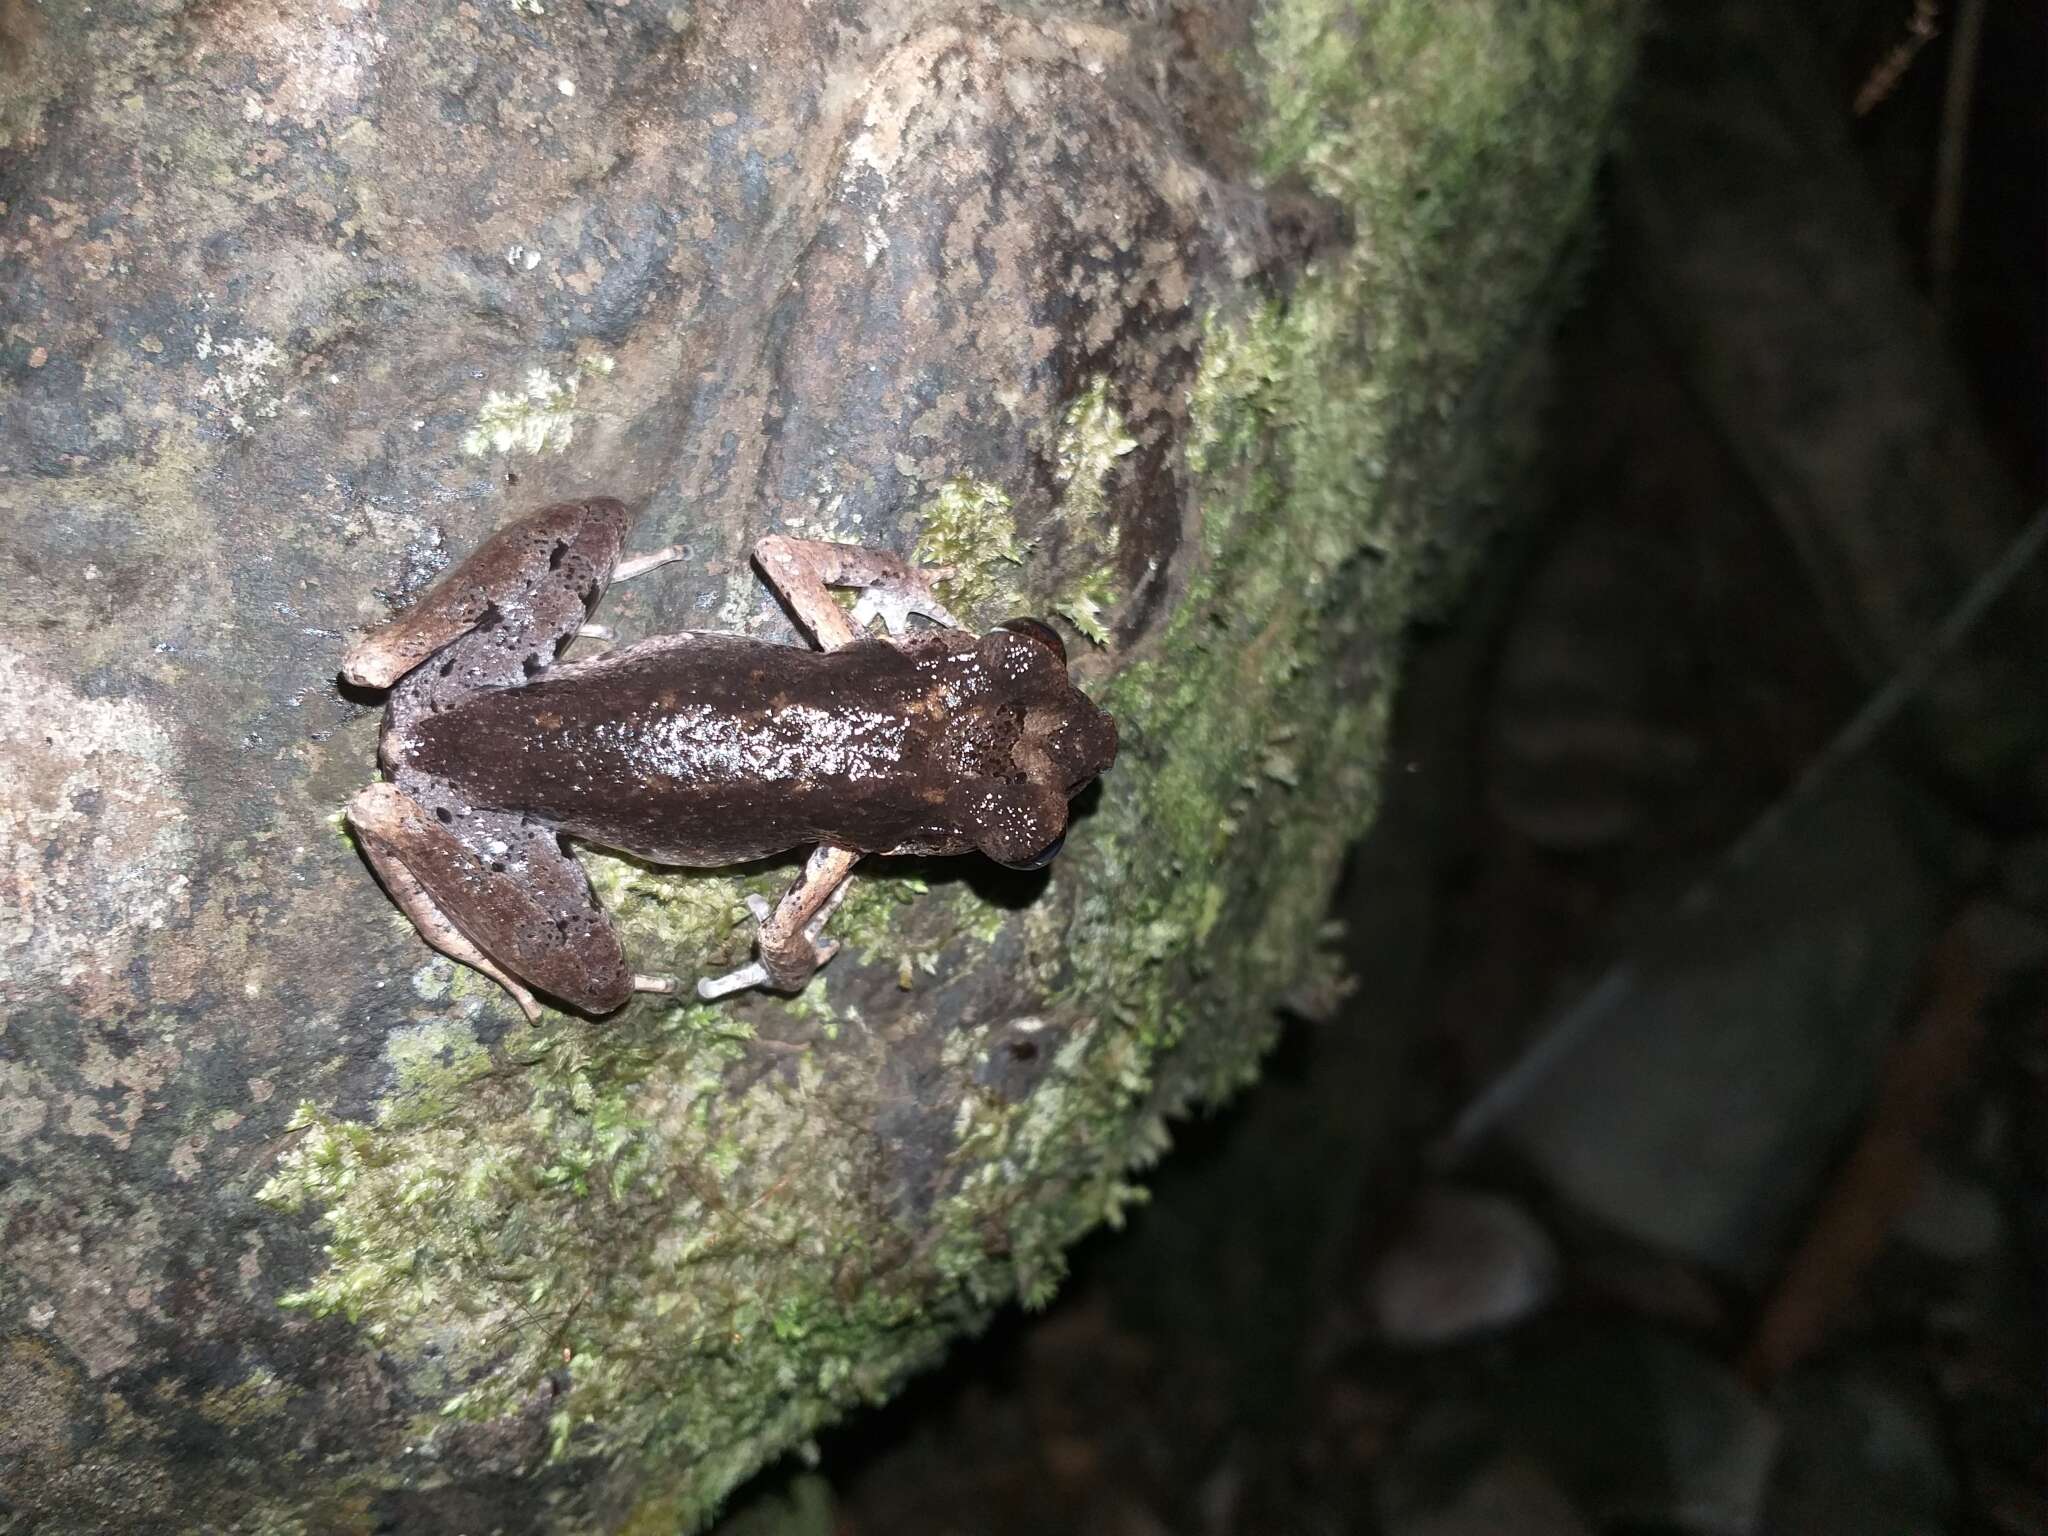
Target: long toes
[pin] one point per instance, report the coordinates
(754, 975)
(871, 605)
(894, 608)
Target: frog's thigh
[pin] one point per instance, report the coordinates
(523, 916)
(532, 582)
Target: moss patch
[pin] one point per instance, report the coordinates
(970, 528)
(1461, 143)
(1091, 439)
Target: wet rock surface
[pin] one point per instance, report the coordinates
(298, 1225)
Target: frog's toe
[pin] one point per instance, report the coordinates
(894, 606)
(777, 973)
(754, 975)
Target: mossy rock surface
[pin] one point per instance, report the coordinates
(1207, 333)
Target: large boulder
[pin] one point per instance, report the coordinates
(1208, 335)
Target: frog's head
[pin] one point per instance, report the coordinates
(1056, 745)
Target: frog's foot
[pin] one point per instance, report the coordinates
(803, 570)
(792, 944)
(894, 606)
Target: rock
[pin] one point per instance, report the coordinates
(1162, 327)
(801, 1507)
(1954, 1219)
(1639, 1427)
(1465, 1263)
(2023, 872)
(1513, 1496)
(1711, 1091)
(2007, 940)
(1862, 1457)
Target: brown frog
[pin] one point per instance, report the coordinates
(697, 749)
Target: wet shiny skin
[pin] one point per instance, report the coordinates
(713, 749)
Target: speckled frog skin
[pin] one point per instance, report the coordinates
(694, 749)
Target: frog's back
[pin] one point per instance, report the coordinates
(711, 749)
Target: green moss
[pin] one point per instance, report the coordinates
(259, 1396)
(869, 921)
(589, 1206)
(692, 1225)
(693, 923)
(969, 527)
(1462, 142)
(1081, 605)
(432, 1062)
(1091, 439)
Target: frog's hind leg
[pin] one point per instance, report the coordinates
(791, 941)
(496, 893)
(511, 604)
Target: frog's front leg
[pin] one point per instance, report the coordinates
(802, 572)
(791, 939)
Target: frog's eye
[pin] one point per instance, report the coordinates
(1047, 636)
(1043, 857)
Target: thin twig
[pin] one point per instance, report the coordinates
(1945, 225)
(1876, 1182)
(1571, 1028)
(1891, 69)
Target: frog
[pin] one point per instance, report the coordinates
(697, 749)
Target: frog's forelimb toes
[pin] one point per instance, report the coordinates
(791, 941)
(895, 606)
(801, 571)
(750, 975)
